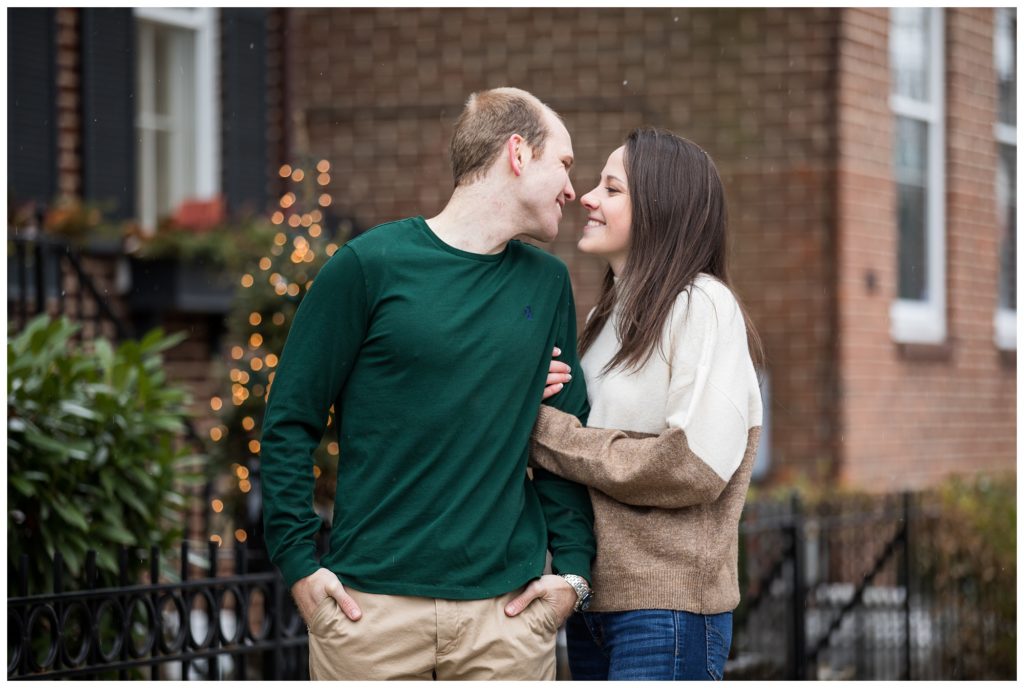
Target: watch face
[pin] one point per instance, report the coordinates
(585, 602)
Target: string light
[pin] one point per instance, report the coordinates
(280, 288)
(247, 280)
(255, 340)
(277, 218)
(216, 539)
(317, 215)
(275, 250)
(323, 166)
(237, 352)
(257, 390)
(217, 506)
(242, 472)
(293, 290)
(324, 200)
(316, 471)
(280, 238)
(216, 403)
(285, 170)
(288, 200)
(323, 179)
(244, 486)
(265, 263)
(254, 446)
(297, 175)
(256, 364)
(307, 220)
(278, 318)
(332, 448)
(216, 434)
(255, 319)
(240, 535)
(248, 423)
(294, 221)
(314, 231)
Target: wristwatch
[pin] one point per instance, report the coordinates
(583, 593)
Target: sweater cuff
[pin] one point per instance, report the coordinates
(296, 564)
(551, 419)
(572, 560)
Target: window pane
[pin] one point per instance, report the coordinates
(910, 165)
(1006, 63)
(909, 35)
(1007, 181)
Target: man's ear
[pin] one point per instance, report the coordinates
(516, 151)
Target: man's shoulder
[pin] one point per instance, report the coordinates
(380, 236)
(538, 258)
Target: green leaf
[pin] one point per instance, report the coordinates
(70, 514)
(76, 409)
(115, 533)
(21, 485)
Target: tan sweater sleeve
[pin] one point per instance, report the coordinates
(633, 468)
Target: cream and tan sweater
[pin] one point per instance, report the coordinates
(667, 456)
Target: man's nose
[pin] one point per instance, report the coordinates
(570, 194)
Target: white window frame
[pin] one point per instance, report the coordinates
(1005, 319)
(206, 155)
(914, 321)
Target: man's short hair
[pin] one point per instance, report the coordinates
(486, 123)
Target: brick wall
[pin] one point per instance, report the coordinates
(69, 125)
(911, 415)
(376, 92)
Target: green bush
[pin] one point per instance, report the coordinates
(94, 457)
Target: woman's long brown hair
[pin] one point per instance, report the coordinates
(678, 230)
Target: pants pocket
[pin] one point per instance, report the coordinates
(718, 634)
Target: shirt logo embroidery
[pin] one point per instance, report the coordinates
(528, 312)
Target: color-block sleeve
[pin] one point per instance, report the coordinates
(566, 504)
(325, 337)
(707, 414)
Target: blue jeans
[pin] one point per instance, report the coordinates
(648, 645)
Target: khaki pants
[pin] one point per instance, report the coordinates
(410, 638)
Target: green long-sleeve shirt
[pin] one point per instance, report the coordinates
(435, 360)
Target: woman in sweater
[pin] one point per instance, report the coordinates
(674, 421)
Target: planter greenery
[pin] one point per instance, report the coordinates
(95, 459)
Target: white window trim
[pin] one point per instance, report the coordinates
(205, 22)
(1005, 319)
(924, 322)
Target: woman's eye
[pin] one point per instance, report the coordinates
(610, 190)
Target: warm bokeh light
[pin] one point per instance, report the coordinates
(323, 166)
(216, 403)
(240, 535)
(257, 389)
(277, 218)
(217, 506)
(285, 170)
(331, 248)
(278, 319)
(280, 238)
(265, 263)
(281, 288)
(256, 364)
(298, 175)
(244, 486)
(255, 319)
(294, 221)
(314, 231)
(255, 339)
(242, 472)
(325, 200)
(216, 538)
(316, 471)
(254, 446)
(293, 289)
(323, 179)
(271, 360)
(307, 220)
(332, 448)
(216, 434)
(288, 200)
(247, 280)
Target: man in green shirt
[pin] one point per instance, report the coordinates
(431, 339)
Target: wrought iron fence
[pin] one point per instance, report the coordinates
(844, 589)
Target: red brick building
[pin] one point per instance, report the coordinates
(869, 158)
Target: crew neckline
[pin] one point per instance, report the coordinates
(441, 244)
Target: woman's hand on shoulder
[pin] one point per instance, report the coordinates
(559, 375)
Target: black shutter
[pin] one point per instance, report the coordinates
(31, 105)
(244, 109)
(108, 110)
